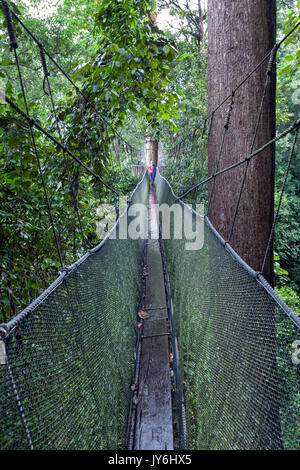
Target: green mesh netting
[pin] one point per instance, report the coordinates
(70, 359)
(66, 384)
(240, 387)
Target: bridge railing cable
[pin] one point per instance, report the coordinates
(234, 338)
(293, 129)
(13, 45)
(258, 120)
(66, 75)
(210, 117)
(34, 125)
(287, 131)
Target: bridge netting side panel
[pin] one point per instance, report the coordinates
(240, 386)
(66, 384)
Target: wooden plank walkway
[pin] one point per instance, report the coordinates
(154, 428)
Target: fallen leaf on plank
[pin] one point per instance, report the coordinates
(143, 314)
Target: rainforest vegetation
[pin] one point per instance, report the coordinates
(137, 74)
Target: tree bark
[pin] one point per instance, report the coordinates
(240, 34)
(151, 150)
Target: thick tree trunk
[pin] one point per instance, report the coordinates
(240, 34)
(151, 150)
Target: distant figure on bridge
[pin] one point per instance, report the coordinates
(152, 171)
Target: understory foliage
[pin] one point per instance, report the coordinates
(135, 78)
(185, 151)
(287, 232)
(131, 68)
(29, 260)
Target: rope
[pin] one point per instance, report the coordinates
(226, 127)
(290, 129)
(34, 123)
(46, 80)
(37, 159)
(267, 82)
(210, 123)
(280, 201)
(65, 74)
(12, 39)
(241, 83)
(204, 128)
(45, 68)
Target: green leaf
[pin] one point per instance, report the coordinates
(5, 214)
(184, 56)
(289, 57)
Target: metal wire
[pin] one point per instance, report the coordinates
(248, 75)
(280, 200)
(235, 336)
(72, 352)
(258, 120)
(249, 157)
(65, 74)
(38, 161)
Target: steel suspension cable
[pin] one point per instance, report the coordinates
(280, 201)
(267, 82)
(46, 79)
(65, 74)
(287, 131)
(241, 83)
(226, 127)
(13, 47)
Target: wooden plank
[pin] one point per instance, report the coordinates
(154, 427)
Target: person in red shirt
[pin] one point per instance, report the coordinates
(150, 168)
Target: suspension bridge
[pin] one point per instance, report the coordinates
(142, 344)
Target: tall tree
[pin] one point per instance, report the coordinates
(240, 34)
